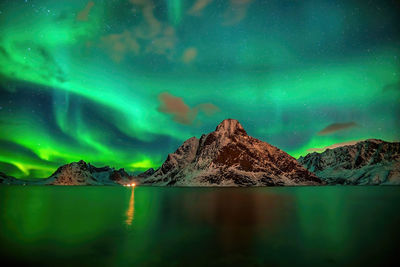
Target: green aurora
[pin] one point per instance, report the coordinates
(124, 83)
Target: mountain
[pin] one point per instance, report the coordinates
(147, 173)
(77, 173)
(9, 180)
(370, 162)
(81, 173)
(230, 157)
(5, 179)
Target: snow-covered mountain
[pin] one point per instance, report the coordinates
(81, 173)
(76, 173)
(369, 162)
(230, 157)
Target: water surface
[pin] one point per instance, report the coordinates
(149, 226)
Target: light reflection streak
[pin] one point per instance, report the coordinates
(131, 209)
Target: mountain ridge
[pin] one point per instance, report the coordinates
(77, 173)
(369, 162)
(230, 157)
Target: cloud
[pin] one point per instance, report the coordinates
(335, 127)
(163, 44)
(208, 108)
(236, 12)
(180, 111)
(198, 7)
(189, 55)
(177, 108)
(119, 45)
(150, 36)
(84, 13)
(333, 146)
(150, 25)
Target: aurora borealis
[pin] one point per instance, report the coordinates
(124, 83)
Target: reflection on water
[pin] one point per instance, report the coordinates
(131, 209)
(199, 226)
(238, 217)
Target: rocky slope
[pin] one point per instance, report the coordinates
(147, 173)
(230, 157)
(369, 162)
(77, 173)
(5, 179)
(81, 173)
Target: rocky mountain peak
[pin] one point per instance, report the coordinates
(230, 157)
(376, 141)
(230, 127)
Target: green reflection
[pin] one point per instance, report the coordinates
(198, 226)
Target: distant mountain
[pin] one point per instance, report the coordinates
(370, 162)
(230, 157)
(5, 179)
(77, 173)
(81, 173)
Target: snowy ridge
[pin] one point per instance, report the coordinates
(229, 157)
(81, 173)
(76, 173)
(369, 162)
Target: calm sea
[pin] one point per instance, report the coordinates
(155, 226)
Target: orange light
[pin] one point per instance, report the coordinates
(133, 185)
(131, 209)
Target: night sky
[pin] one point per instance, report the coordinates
(124, 83)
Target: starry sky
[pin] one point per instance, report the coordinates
(125, 82)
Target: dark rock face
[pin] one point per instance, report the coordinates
(147, 173)
(370, 162)
(9, 180)
(230, 157)
(81, 173)
(120, 176)
(5, 179)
